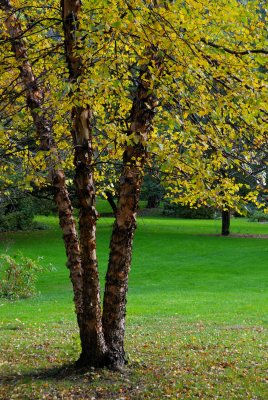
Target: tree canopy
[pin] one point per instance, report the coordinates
(210, 94)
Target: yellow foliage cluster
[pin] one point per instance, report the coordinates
(211, 94)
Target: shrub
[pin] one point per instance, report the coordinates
(19, 275)
(180, 211)
(18, 215)
(43, 206)
(258, 216)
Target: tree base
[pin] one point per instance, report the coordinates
(111, 361)
(88, 361)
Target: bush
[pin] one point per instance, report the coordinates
(19, 275)
(180, 211)
(258, 216)
(42, 206)
(17, 212)
(17, 215)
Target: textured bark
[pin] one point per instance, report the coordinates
(67, 224)
(44, 133)
(92, 339)
(225, 226)
(34, 93)
(115, 297)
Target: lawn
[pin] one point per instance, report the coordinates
(197, 316)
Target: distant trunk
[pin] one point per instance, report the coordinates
(44, 132)
(92, 339)
(115, 297)
(111, 201)
(225, 218)
(153, 201)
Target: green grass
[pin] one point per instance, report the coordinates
(197, 316)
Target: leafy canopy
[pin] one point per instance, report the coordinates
(210, 91)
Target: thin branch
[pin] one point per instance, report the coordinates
(235, 52)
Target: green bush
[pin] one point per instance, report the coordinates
(18, 276)
(18, 212)
(258, 216)
(180, 211)
(17, 215)
(42, 206)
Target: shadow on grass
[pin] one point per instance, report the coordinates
(70, 371)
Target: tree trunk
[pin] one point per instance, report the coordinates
(92, 339)
(225, 219)
(114, 309)
(153, 201)
(44, 132)
(115, 297)
(67, 224)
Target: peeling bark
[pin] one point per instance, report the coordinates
(92, 339)
(68, 227)
(44, 133)
(115, 297)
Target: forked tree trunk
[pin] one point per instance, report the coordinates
(115, 297)
(44, 133)
(92, 339)
(225, 222)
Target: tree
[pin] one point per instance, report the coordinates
(134, 83)
(44, 132)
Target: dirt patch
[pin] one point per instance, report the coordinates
(239, 235)
(260, 236)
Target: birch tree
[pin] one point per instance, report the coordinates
(133, 83)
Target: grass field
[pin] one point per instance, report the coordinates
(197, 317)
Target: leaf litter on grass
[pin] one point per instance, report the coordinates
(167, 360)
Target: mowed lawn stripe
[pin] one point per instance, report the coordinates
(180, 267)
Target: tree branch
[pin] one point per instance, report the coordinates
(237, 53)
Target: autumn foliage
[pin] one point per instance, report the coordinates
(135, 84)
